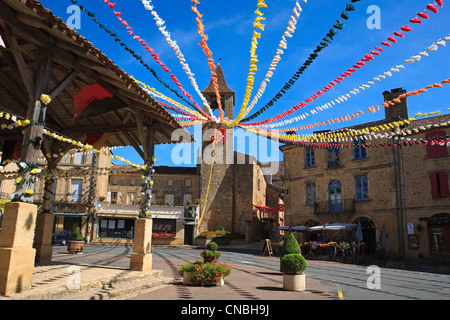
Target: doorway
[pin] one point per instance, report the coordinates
(189, 234)
(368, 229)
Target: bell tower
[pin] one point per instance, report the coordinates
(218, 209)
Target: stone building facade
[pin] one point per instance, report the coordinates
(399, 187)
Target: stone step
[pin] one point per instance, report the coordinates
(104, 289)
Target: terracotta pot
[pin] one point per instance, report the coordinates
(75, 246)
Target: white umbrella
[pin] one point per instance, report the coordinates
(334, 226)
(359, 235)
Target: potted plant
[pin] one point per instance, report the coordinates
(211, 254)
(203, 274)
(76, 243)
(102, 198)
(289, 246)
(293, 266)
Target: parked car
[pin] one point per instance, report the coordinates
(61, 237)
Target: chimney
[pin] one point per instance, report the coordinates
(399, 110)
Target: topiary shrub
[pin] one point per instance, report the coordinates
(292, 263)
(212, 246)
(77, 235)
(290, 246)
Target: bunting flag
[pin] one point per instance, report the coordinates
(162, 28)
(130, 51)
(338, 80)
(343, 98)
(290, 29)
(159, 95)
(351, 116)
(328, 39)
(208, 53)
(94, 99)
(257, 24)
(152, 53)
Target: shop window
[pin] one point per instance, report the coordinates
(164, 225)
(309, 157)
(361, 188)
(116, 228)
(437, 240)
(439, 185)
(360, 151)
(436, 150)
(310, 193)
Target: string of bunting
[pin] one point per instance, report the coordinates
(346, 74)
(162, 28)
(343, 98)
(151, 51)
(336, 139)
(130, 51)
(371, 109)
(328, 39)
(253, 60)
(203, 44)
(290, 29)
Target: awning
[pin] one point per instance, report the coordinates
(72, 214)
(279, 207)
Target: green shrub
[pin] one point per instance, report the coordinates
(210, 255)
(77, 235)
(212, 246)
(290, 246)
(292, 263)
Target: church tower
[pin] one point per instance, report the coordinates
(219, 204)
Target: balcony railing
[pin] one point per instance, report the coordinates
(335, 206)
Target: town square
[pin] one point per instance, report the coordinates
(222, 156)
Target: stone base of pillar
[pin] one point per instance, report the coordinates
(16, 247)
(141, 262)
(43, 237)
(141, 258)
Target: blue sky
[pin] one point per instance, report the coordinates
(229, 26)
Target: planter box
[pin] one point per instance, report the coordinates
(218, 283)
(75, 246)
(294, 282)
(202, 242)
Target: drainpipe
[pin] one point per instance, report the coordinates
(399, 199)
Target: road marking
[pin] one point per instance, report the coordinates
(340, 295)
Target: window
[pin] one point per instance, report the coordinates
(335, 200)
(188, 183)
(170, 182)
(131, 198)
(437, 240)
(333, 158)
(114, 196)
(169, 199)
(362, 188)
(186, 198)
(76, 190)
(78, 158)
(360, 151)
(439, 184)
(310, 193)
(436, 150)
(309, 157)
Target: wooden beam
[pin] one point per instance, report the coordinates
(133, 143)
(20, 61)
(63, 84)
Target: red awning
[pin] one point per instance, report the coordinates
(279, 207)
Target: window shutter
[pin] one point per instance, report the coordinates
(434, 186)
(443, 181)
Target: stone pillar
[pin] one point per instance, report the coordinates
(16, 247)
(141, 258)
(43, 237)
